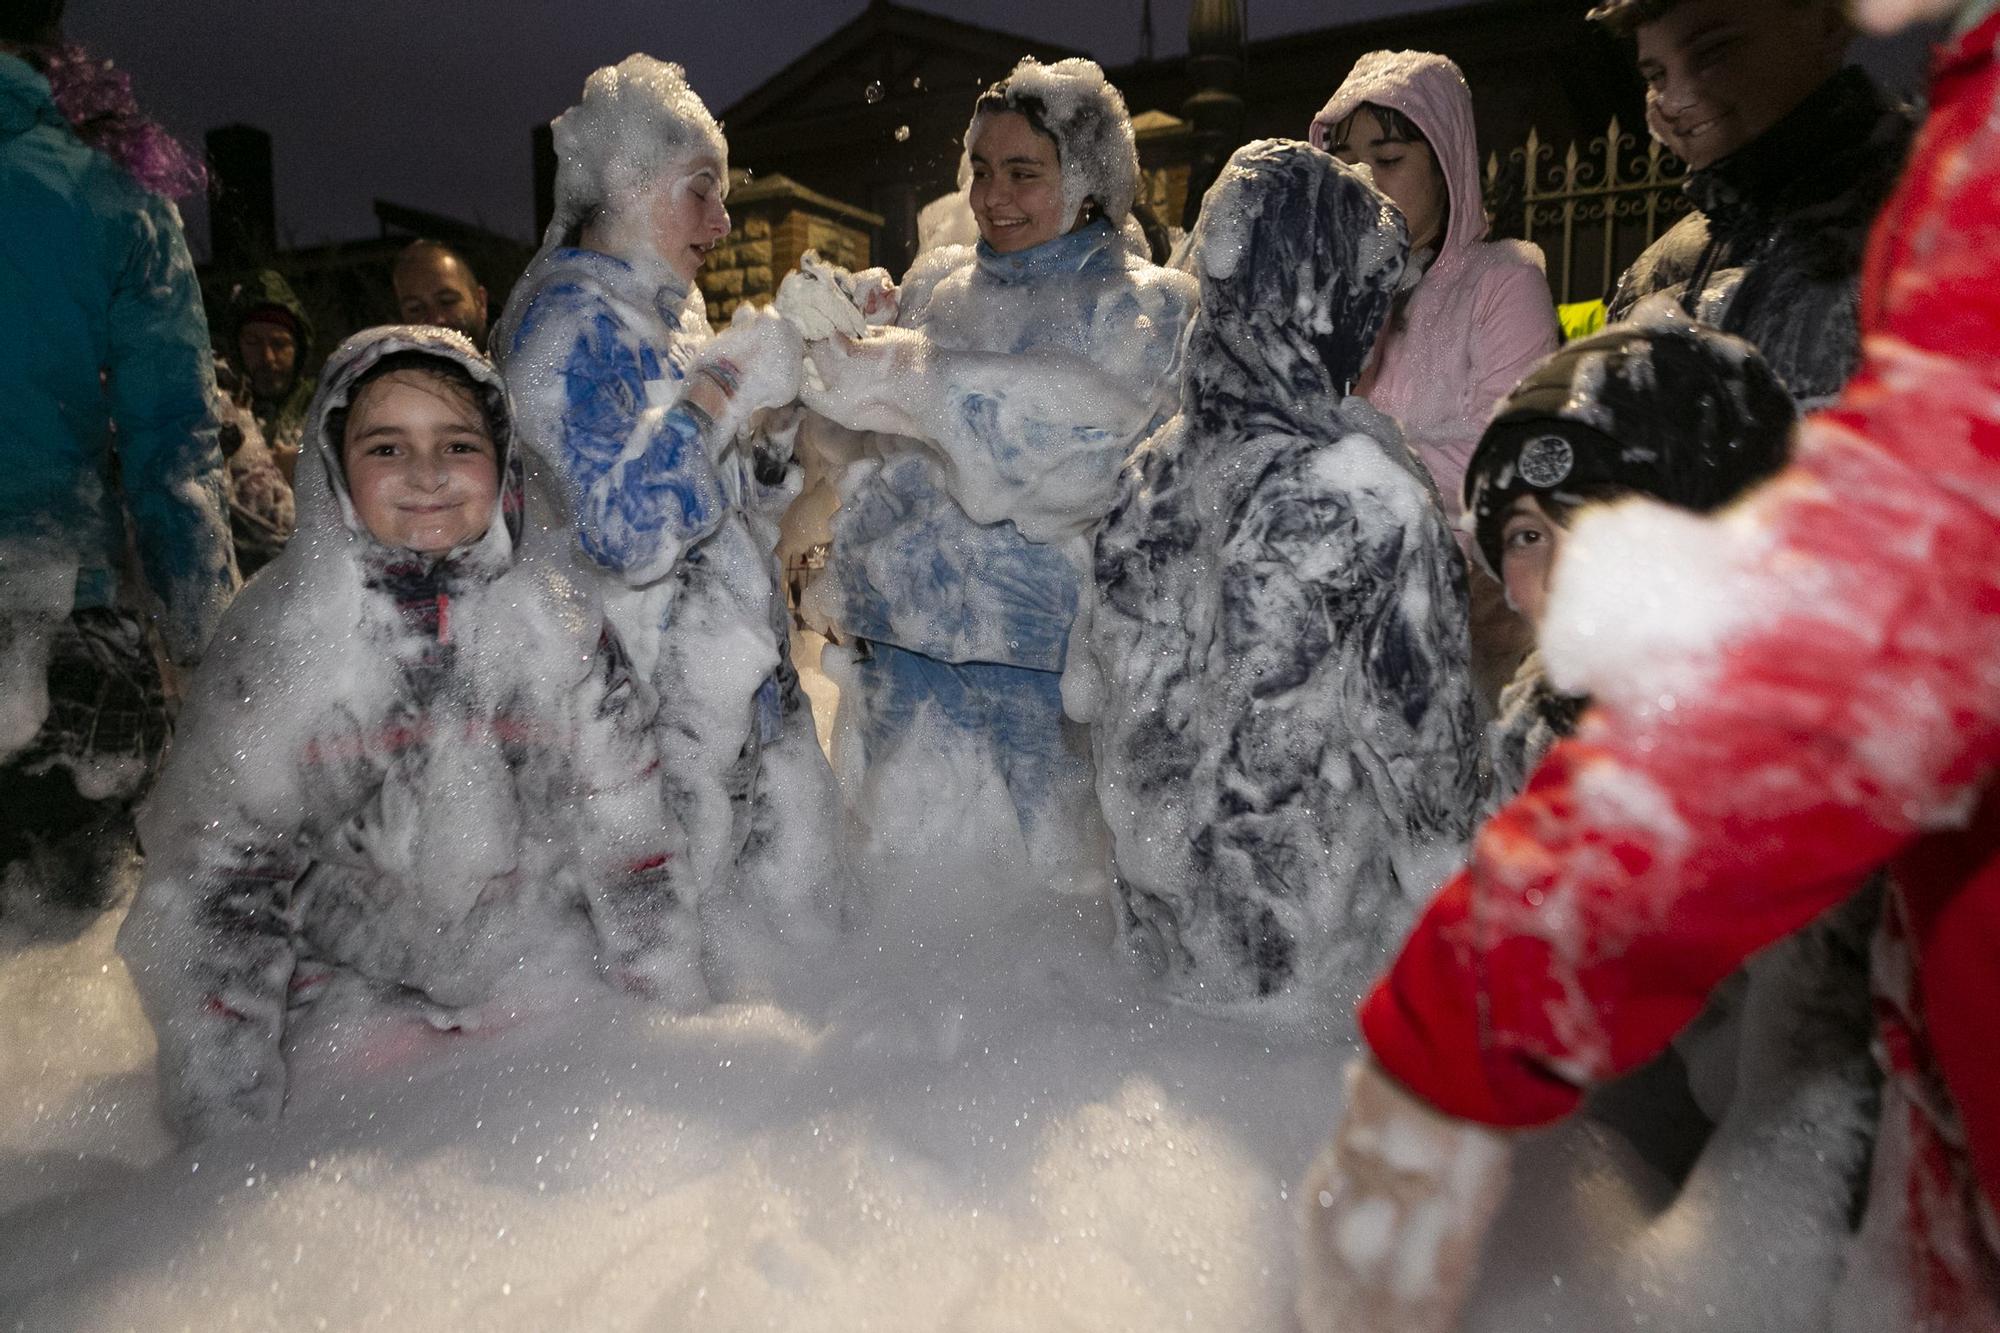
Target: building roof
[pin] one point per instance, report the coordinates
(880, 41)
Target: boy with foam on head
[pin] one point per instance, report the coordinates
(415, 785)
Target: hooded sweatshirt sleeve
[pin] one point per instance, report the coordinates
(209, 937)
(160, 376)
(607, 409)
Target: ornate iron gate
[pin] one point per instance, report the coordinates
(1592, 211)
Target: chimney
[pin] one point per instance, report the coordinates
(243, 209)
(544, 152)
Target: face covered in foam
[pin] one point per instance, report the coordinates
(1298, 257)
(642, 167)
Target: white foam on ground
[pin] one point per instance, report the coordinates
(969, 1114)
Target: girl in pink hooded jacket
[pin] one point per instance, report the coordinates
(1475, 315)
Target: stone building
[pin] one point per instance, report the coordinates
(774, 220)
(873, 116)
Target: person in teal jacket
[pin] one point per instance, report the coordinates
(105, 425)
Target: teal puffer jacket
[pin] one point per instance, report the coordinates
(104, 372)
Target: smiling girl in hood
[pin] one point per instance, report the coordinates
(1002, 402)
(414, 782)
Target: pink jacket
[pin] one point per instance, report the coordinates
(1481, 316)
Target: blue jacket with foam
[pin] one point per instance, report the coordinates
(1038, 372)
(104, 372)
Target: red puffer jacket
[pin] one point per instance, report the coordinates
(1854, 722)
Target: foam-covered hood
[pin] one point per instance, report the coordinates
(324, 503)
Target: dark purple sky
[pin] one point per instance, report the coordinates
(429, 102)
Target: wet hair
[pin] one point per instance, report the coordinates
(995, 101)
(1398, 128)
(1076, 109)
(1624, 18)
(1032, 109)
(444, 371)
(635, 118)
(31, 22)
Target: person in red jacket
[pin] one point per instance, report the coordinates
(1806, 689)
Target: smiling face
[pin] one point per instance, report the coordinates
(1404, 168)
(1017, 186)
(1721, 72)
(686, 216)
(421, 463)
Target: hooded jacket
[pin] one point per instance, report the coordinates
(1772, 252)
(1275, 665)
(1839, 717)
(683, 528)
(100, 326)
(1035, 375)
(283, 422)
(1481, 313)
(434, 773)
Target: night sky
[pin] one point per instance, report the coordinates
(430, 103)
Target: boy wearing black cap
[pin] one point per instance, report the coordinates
(1664, 408)
(1673, 410)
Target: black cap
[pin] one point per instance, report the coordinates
(1666, 408)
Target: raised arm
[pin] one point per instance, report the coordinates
(1603, 904)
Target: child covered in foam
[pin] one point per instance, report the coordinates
(414, 784)
(999, 389)
(1272, 655)
(675, 454)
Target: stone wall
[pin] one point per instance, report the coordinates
(775, 221)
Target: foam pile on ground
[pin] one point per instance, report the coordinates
(968, 1114)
